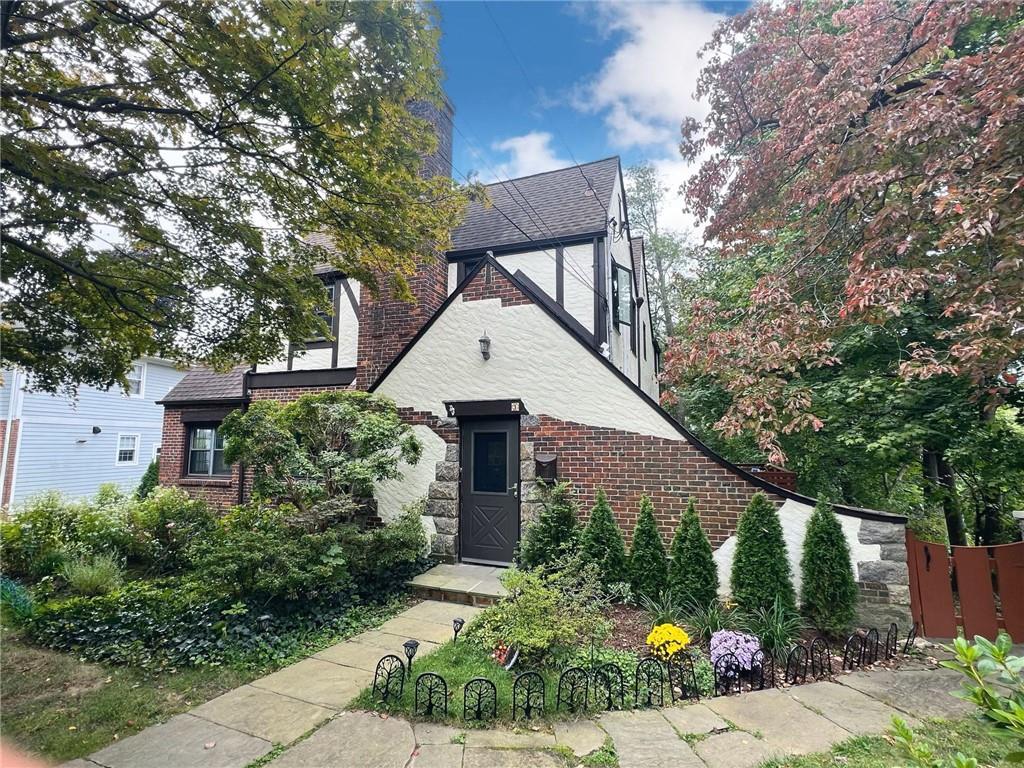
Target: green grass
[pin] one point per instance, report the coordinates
(971, 736)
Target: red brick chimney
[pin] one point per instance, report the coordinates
(387, 324)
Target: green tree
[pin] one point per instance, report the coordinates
(322, 452)
(164, 160)
(602, 543)
(555, 532)
(692, 573)
(150, 480)
(648, 566)
(760, 566)
(828, 592)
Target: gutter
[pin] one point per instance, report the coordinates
(13, 403)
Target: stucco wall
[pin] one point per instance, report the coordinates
(393, 495)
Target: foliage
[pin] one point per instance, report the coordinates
(704, 671)
(648, 567)
(828, 590)
(554, 533)
(168, 520)
(602, 544)
(923, 755)
(993, 683)
(381, 560)
(16, 603)
(740, 644)
(664, 608)
(167, 159)
(666, 640)
(760, 566)
(543, 611)
(776, 627)
(95, 575)
(35, 536)
(150, 480)
(692, 572)
(322, 452)
(703, 620)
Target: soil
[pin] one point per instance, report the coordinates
(630, 627)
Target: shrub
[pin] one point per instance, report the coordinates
(36, 536)
(776, 627)
(16, 603)
(150, 480)
(648, 568)
(692, 572)
(381, 560)
(555, 532)
(703, 620)
(167, 521)
(602, 544)
(704, 672)
(95, 575)
(828, 591)
(760, 566)
(741, 645)
(665, 608)
(102, 526)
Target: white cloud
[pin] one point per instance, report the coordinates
(527, 154)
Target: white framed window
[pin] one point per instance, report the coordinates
(206, 451)
(137, 380)
(156, 451)
(127, 450)
(622, 295)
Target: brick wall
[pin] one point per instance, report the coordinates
(12, 451)
(491, 284)
(218, 492)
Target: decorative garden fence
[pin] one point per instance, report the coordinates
(980, 589)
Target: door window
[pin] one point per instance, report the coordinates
(490, 462)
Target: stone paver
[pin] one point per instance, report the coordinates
(417, 629)
(390, 643)
(478, 579)
(581, 736)
(438, 756)
(441, 613)
(353, 740)
(786, 725)
(694, 718)
(733, 749)
(183, 741)
(850, 709)
(510, 758)
(435, 733)
(644, 739)
(355, 655)
(499, 738)
(80, 762)
(318, 682)
(923, 693)
(268, 715)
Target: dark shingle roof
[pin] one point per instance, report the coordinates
(557, 204)
(202, 384)
(636, 250)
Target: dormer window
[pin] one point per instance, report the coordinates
(622, 295)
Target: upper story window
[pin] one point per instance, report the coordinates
(206, 451)
(137, 380)
(127, 450)
(622, 295)
(326, 315)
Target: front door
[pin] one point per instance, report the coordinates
(489, 517)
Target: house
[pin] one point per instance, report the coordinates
(529, 352)
(74, 445)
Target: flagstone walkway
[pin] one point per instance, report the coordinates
(301, 706)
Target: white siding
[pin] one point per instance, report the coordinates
(579, 292)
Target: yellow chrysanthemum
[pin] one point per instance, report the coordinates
(666, 640)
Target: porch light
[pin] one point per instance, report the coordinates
(457, 624)
(410, 647)
(485, 346)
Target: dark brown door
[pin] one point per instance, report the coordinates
(489, 516)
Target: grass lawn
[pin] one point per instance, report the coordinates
(58, 708)
(970, 736)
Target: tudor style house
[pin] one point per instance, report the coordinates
(529, 353)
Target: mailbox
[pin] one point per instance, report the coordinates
(547, 467)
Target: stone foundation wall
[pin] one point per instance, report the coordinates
(884, 584)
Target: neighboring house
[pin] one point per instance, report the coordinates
(529, 351)
(74, 445)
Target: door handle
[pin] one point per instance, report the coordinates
(514, 490)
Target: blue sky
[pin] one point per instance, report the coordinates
(537, 83)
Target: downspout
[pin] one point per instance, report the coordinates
(245, 407)
(7, 432)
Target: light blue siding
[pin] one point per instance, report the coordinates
(59, 449)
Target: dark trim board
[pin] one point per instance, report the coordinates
(322, 377)
(524, 246)
(230, 402)
(460, 409)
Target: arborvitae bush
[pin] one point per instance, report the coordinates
(149, 480)
(602, 543)
(760, 567)
(648, 566)
(692, 574)
(828, 591)
(555, 532)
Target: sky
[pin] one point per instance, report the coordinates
(539, 85)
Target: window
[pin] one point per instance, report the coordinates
(490, 457)
(127, 450)
(156, 451)
(137, 380)
(327, 315)
(622, 295)
(206, 451)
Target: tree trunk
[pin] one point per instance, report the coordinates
(940, 490)
(988, 525)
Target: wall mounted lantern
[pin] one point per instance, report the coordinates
(485, 346)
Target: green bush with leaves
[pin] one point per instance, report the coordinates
(602, 544)
(36, 536)
(16, 603)
(703, 620)
(692, 572)
(167, 521)
(663, 608)
(760, 566)
(555, 532)
(150, 480)
(383, 559)
(776, 626)
(828, 592)
(648, 566)
(93, 575)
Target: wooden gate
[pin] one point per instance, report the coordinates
(980, 589)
